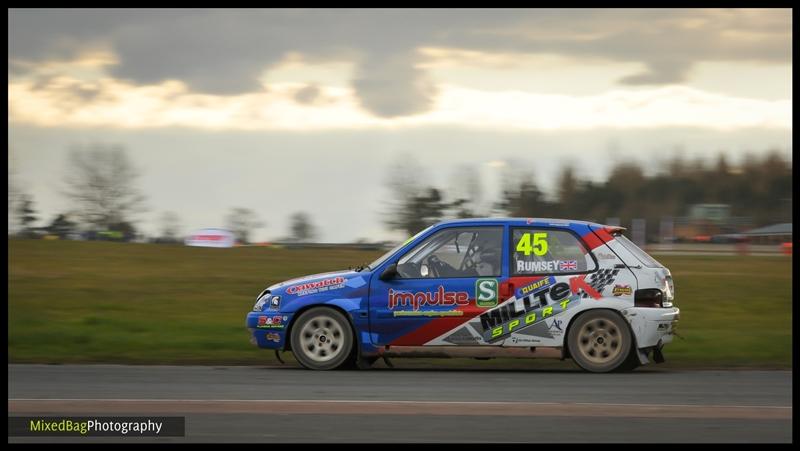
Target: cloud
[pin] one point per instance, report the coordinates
(381, 78)
(224, 52)
(657, 74)
(307, 95)
(69, 102)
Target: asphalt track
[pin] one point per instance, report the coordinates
(288, 404)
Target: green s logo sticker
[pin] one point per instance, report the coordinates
(486, 292)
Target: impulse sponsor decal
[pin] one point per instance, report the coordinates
(422, 298)
(429, 313)
(316, 287)
(543, 299)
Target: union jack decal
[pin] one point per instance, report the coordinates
(568, 265)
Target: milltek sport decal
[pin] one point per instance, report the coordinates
(533, 303)
(528, 318)
(316, 287)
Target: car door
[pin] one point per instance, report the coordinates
(444, 281)
(552, 273)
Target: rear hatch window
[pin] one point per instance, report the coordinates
(637, 252)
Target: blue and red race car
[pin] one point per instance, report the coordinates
(481, 288)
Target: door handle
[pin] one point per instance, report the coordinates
(506, 290)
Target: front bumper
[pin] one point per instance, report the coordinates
(652, 326)
(268, 329)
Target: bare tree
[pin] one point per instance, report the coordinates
(567, 187)
(170, 226)
(405, 178)
(301, 227)
(102, 183)
(26, 214)
(412, 204)
(465, 192)
(242, 222)
(61, 226)
(13, 195)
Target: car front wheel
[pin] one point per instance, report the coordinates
(600, 341)
(322, 339)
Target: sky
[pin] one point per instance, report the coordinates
(295, 110)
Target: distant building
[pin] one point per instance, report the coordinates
(773, 234)
(706, 221)
(713, 213)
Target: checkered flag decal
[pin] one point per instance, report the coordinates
(600, 279)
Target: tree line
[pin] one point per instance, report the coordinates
(105, 199)
(759, 188)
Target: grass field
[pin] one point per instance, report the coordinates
(73, 302)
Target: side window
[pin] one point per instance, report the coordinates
(643, 256)
(455, 252)
(548, 251)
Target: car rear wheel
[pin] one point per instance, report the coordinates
(322, 339)
(600, 342)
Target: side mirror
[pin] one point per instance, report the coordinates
(389, 272)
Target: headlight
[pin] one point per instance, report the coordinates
(262, 301)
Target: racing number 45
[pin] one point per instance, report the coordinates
(538, 246)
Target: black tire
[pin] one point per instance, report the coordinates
(322, 339)
(600, 341)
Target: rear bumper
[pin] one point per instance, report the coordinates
(652, 326)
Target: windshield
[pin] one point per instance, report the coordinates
(386, 256)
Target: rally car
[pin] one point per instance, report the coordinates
(480, 288)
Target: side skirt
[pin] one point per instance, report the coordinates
(470, 351)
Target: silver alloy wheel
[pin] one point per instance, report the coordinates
(599, 341)
(321, 338)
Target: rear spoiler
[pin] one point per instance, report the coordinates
(614, 230)
(602, 234)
